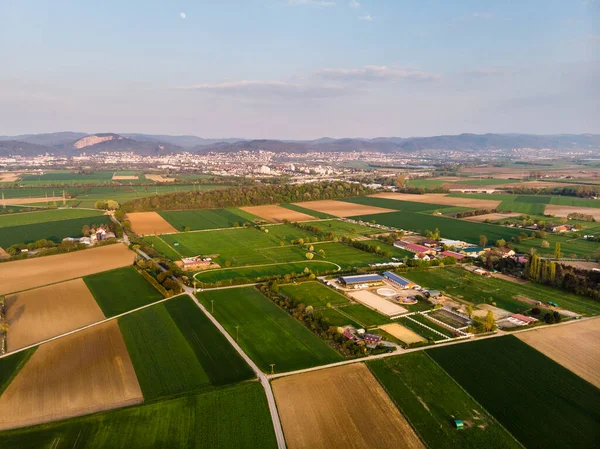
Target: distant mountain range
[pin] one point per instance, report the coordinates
(73, 143)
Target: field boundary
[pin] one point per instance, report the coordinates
(268, 265)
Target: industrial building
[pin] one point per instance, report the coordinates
(368, 280)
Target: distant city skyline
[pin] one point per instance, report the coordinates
(300, 69)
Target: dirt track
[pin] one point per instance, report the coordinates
(83, 373)
(149, 223)
(441, 199)
(402, 333)
(563, 211)
(13, 201)
(343, 209)
(42, 313)
(576, 347)
(277, 213)
(373, 301)
(342, 407)
(32, 273)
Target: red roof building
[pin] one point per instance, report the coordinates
(454, 254)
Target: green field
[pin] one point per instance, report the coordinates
(335, 318)
(312, 294)
(11, 365)
(220, 360)
(46, 216)
(400, 205)
(197, 220)
(54, 230)
(569, 245)
(244, 246)
(450, 228)
(430, 399)
(422, 331)
(253, 273)
(162, 247)
(343, 228)
(573, 201)
(266, 332)
(462, 284)
(396, 252)
(230, 418)
(523, 208)
(312, 213)
(541, 403)
(347, 256)
(121, 290)
(363, 315)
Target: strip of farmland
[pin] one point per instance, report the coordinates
(525, 390)
(230, 418)
(266, 332)
(31, 273)
(430, 399)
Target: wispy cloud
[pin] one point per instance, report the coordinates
(377, 73)
(366, 18)
(354, 4)
(310, 2)
(269, 88)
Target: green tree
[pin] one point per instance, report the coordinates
(557, 253)
(483, 240)
(470, 310)
(309, 256)
(490, 322)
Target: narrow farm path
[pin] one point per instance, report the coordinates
(262, 377)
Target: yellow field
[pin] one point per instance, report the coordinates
(343, 209)
(402, 333)
(25, 274)
(83, 373)
(342, 407)
(373, 301)
(277, 213)
(159, 178)
(124, 177)
(15, 201)
(491, 217)
(36, 315)
(575, 346)
(149, 223)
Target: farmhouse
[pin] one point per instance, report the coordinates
(372, 340)
(454, 243)
(521, 320)
(457, 256)
(413, 247)
(399, 280)
(360, 280)
(195, 262)
(504, 252)
(562, 228)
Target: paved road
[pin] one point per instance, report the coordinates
(262, 377)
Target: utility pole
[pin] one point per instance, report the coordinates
(237, 333)
(272, 368)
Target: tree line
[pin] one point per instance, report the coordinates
(247, 196)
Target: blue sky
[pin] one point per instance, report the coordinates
(300, 68)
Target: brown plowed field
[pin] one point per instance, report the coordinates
(440, 198)
(149, 223)
(83, 373)
(402, 333)
(13, 201)
(563, 211)
(491, 217)
(342, 407)
(9, 177)
(343, 209)
(277, 213)
(36, 315)
(575, 346)
(32, 273)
